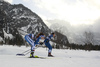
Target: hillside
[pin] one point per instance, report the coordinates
(17, 20)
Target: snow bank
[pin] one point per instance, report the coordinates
(63, 58)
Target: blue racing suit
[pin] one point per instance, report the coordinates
(46, 41)
(37, 40)
(29, 38)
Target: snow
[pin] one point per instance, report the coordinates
(1, 39)
(63, 58)
(7, 35)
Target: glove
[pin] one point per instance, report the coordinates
(41, 43)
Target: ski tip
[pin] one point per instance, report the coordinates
(36, 56)
(20, 55)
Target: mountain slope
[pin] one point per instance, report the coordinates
(16, 21)
(17, 17)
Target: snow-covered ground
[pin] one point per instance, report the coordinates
(63, 58)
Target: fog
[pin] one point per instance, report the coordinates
(75, 33)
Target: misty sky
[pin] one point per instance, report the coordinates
(73, 11)
(81, 16)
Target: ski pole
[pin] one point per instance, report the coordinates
(26, 51)
(23, 53)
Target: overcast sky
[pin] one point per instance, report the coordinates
(73, 11)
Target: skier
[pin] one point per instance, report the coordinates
(39, 37)
(30, 38)
(46, 41)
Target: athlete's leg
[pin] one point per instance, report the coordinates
(31, 42)
(50, 48)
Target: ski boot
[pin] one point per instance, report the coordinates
(32, 55)
(49, 55)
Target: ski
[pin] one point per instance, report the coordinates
(38, 57)
(41, 57)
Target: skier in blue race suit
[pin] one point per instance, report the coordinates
(46, 41)
(33, 41)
